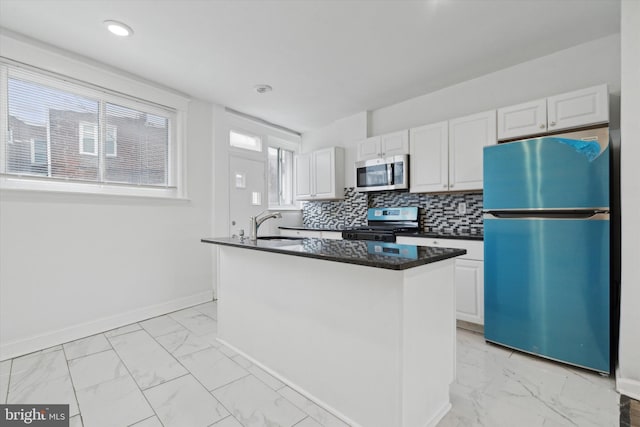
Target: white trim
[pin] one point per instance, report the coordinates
(37, 183)
(628, 387)
(39, 342)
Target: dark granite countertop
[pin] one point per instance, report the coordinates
(312, 229)
(400, 257)
(459, 235)
(444, 235)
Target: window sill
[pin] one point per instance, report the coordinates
(11, 184)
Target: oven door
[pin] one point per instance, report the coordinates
(382, 174)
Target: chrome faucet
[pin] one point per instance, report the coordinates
(256, 221)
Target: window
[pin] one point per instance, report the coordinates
(280, 177)
(111, 142)
(73, 135)
(244, 141)
(39, 155)
(88, 138)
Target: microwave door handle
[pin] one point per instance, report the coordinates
(390, 174)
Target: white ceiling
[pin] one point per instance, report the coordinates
(325, 59)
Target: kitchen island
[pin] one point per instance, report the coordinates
(365, 329)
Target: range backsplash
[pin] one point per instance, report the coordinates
(438, 212)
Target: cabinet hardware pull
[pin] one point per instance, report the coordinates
(552, 124)
(541, 126)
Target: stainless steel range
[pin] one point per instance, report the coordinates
(384, 223)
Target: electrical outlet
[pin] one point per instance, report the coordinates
(462, 208)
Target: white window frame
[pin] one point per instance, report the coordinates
(122, 91)
(33, 152)
(81, 134)
(114, 131)
(278, 143)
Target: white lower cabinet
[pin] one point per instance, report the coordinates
(470, 290)
(469, 274)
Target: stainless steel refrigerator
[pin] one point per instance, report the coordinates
(547, 247)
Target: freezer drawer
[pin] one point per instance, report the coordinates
(546, 173)
(547, 288)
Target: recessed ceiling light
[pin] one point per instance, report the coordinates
(263, 88)
(118, 28)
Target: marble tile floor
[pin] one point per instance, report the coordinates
(170, 371)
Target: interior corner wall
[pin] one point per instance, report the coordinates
(73, 265)
(628, 375)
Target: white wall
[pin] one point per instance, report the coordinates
(342, 133)
(578, 67)
(72, 265)
(628, 380)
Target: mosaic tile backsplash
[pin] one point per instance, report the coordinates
(438, 212)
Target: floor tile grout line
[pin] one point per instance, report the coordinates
(134, 379)
(230, 382)
(6, 398)
(145, 419)
(73, 386)
(188, 373)
(87, 355)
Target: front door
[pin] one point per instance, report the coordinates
(247, 193)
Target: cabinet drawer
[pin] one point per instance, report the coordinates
(475, 248)
(301, 233)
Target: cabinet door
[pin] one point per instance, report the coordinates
(470, 290)
(525, 119)
(393, 144)
(580, 108)
(324, 174)
(302, 164)
(467, 137)
(369, 148)
(429, 158)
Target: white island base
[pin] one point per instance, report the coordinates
(374, 346)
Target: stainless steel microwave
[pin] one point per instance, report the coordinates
(389, 173)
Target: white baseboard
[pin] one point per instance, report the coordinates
(433, 422)
(17, 348)
(628, 387)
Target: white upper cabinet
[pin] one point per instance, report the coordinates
(303, 172)
(320, 174)
(467, 138)
(579, 108)
(583, 107)
(529, 118)
(390, 144)
(429, 158)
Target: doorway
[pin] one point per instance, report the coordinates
(247, 192)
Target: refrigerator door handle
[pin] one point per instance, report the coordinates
(590, 216)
